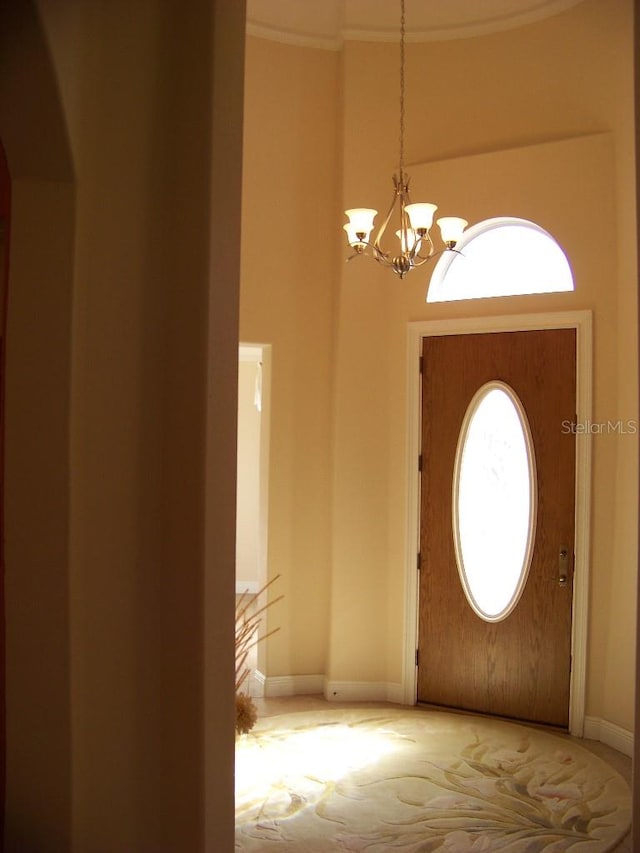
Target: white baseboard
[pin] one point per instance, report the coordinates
(363, 691)
(292, 685)
(256, 684)
(396, 693)
(614, 736)
(595, 728)
(334, 691)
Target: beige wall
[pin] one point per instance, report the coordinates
(565, 77)
(121, 397)
(543, 82)
(288, 283)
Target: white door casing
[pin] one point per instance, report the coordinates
(582, 322)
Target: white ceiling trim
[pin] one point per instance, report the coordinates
(472, 25)
(470, 28)
(296, 39)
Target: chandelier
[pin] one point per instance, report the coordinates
(414, 220)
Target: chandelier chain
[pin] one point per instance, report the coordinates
(402, 30)
(413, 221)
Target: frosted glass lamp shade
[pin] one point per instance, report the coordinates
(360, 223)
(354, 237)
(421, 214)
(451, 228)
(408, 239)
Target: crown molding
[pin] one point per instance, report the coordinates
(296, 39)
(381, 28)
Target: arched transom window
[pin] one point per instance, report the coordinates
(501, 257)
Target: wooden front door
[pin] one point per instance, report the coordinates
(519, 666)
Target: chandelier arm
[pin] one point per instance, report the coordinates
(433, 255)
(377, 242)
(405, 227)
(419, 260)
(378, 254)
(417, 252)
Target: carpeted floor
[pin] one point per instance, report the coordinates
(376, 780)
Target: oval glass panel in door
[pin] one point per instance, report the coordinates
(494, 501)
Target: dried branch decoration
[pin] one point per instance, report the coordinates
(247, 625)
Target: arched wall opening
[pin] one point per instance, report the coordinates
(36, 442)
(5, 230)
(121, 391)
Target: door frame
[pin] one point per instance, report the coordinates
(582, 322)
(260, 353)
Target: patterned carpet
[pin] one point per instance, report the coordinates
(420, 781)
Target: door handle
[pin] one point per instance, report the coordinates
(563, 567)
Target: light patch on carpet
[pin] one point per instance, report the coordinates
(421, 781)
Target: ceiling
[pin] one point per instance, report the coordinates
(327, 23)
